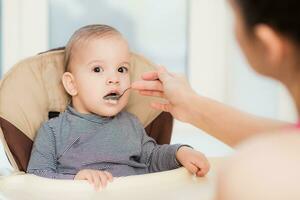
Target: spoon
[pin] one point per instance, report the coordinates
(115, 97)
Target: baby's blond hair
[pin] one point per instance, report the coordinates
(82, 35)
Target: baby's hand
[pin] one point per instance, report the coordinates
(192, 160)
(97, 178)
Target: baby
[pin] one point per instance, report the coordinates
(94, 139)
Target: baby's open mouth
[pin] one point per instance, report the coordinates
(112, 96)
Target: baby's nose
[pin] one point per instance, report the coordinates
(112, 81)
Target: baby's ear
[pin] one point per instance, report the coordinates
(69, 83)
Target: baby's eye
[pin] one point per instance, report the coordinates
(122, 69)
(98, 69)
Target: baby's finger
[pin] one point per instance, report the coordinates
(103, 178)
(96, 179)
(89, 178)
(200, 173)
(191, 168)
(203, 168)
(109, 176)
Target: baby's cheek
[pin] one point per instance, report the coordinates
(125, 81)
(126, 97)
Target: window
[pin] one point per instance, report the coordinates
(154, 29)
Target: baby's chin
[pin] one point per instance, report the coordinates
(110, 111)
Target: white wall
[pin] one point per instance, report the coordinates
(207, 69)
(208, 31)
(25, 30)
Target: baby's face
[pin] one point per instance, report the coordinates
(100, 68)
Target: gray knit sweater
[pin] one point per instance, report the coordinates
(74, 141)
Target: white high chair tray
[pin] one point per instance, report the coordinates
(175, 184)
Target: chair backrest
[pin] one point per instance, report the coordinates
(33, 88)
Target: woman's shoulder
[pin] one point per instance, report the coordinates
(268, 161)
(285, 138)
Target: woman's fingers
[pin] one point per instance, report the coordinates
(164, 75)
(152, 81)
(161, 106)
(150, 76)
(147, 85)
(151, 93)
(154, 75)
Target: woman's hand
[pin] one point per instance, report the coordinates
(98, 178)
(173, 87)
(194, 161)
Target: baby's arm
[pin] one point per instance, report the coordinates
(193, 160)
(166, 157)
(43, 158)
(156, 157)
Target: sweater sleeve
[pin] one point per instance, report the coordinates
(43, 160)
(157, 157)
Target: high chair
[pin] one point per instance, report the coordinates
(32, 92)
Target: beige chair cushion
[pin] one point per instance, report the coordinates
(33, 87)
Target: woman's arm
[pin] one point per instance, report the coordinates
(226, 123)
(219, 120)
